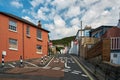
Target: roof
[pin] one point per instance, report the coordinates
(101, 27)
(22, 20)
(112, 32)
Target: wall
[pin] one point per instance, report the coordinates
(5, 34)
(73, 48)
(26, 45)
(87, 43)
(115, 57)
(31, 42)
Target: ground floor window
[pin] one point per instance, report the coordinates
(39, 49)
(13, 44)
(115, 55)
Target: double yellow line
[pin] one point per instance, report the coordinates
(86, 72)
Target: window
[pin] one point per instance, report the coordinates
(28, 30)
(39, 49)
(115, 55)
(12, 26)
(13, 44)
(39, 34)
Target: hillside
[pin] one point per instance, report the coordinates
(64, 41)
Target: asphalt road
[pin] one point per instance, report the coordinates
(60, 67)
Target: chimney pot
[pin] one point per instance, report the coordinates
(39, 24)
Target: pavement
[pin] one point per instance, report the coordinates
(97, 72)
(28, 63)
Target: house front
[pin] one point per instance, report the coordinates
(114, 35)
(19, 37)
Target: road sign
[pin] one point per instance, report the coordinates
(4, 53)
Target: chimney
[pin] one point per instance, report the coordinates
(39, 24)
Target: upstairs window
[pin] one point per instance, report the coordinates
(39, 34)
(12, 26)
(39, 49)
(13, 44)
(28, 31)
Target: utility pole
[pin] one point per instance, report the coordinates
(79, 40)
(81, 29)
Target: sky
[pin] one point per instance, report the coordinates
(62, 17)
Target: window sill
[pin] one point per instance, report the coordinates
(12, 31)
(39, 52)
(13, 49)
(28, 36)
(39, 39)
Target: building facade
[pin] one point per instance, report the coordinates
(114, 35)
(19, 37)
(98, 32)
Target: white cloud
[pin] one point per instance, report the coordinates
(17, 4)
(75, 21)
(35, 3)
(97, 14)
(62, 4)
(73, 11)
(41, 15)
(59, 22)
(45, 9)
(49, 27)
(66, 23)
(64, 32)
(28, 18)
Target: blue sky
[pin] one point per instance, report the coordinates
(62, 17)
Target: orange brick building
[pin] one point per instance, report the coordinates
(19, 37)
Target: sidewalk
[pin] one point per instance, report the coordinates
(96, 72)
(30, 63)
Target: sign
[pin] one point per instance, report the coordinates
(50, 43)
(76, 42)
(4, 53)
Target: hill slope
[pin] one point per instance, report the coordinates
(64, 41)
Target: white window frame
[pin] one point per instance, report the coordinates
(12, 48)
(28, 31)
(37, 49)
(39, 34)
(12, 25)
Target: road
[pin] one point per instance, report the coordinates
(60, 67)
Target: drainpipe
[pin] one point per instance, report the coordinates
(23, 40)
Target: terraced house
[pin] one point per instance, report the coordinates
(19, 37)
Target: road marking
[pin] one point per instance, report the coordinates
(74, 72)
(11, 65)
(31, 64)
(77, 71)
(56, 61)
(13, 62)
(83, 68)
(66, 70)
(84, 75)
(49, 62)
(48, 67)
(56, 68)
(66, 66)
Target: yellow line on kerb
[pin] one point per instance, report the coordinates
(83, 68)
